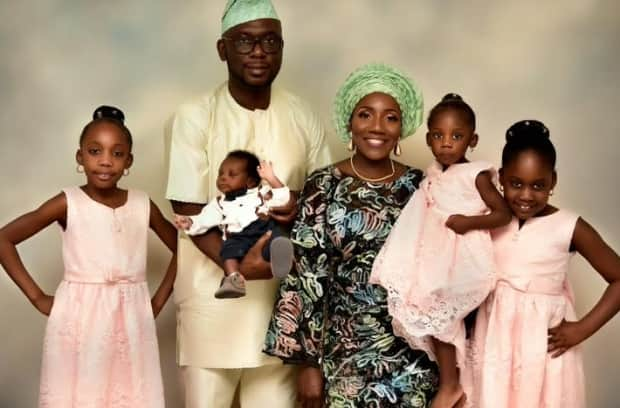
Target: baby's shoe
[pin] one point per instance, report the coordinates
(281, 250)
(232, 286)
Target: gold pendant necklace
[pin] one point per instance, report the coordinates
(372, 180)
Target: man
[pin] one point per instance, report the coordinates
(219, 342)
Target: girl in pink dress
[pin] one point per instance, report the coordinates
(100, 348)
(437, 264)
(525, 335)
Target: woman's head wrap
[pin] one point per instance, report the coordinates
(382, 78)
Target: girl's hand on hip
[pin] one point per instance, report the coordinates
(310, 387)
(564, 336)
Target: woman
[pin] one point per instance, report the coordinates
(328, 318)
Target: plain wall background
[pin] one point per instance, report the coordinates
(556, 61)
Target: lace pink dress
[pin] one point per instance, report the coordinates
(511, 367)
(100, 348)
(433, 276)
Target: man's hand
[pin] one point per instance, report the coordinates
(253, 266)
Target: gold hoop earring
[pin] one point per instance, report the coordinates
(126, 172)
(350, 146)
(397, 150)
(79, 168)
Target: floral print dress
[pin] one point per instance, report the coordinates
(328, 315)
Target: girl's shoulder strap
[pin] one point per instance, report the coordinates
(562, 226)
(139, 199)
(137, 195)
(478, 166)
(73, 194)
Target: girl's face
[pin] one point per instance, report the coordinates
(449, 135)
(105, 153)
(527, 181)
(233, 175)
(376, 126)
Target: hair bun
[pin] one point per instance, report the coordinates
(527, 129)
(109, 112)
(452, 97)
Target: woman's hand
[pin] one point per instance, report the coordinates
(564, 336)
(44, 303)
(310, 387)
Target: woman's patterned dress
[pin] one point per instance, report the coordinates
(328, 315)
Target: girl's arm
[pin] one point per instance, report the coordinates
(21, 229)
(606, 262)
(498, 216)
(168, 235)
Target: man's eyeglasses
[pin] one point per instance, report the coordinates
(270, 44)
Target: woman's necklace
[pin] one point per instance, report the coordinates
(372, 180)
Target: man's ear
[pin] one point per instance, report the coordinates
(221, 49)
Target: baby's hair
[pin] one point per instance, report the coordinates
(453, 101)
(251, 162)
(108, 114)
(528, 135)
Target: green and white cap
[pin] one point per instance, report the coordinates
(241, 11)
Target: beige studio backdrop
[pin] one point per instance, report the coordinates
(554, 60)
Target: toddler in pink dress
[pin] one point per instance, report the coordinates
(523, 350)
(437, 264)
(100, 348)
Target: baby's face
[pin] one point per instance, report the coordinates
(233, 175)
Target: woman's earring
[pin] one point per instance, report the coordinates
(126, 172)
(397, 150)
(350, 145)
(501, 188)
(551, 192)
(79, 168)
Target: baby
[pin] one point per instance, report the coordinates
(241, 212)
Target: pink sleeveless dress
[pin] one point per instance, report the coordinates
(510, 364)
(433, 276)
(100, 348)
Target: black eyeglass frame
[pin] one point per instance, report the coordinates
(262, 41)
